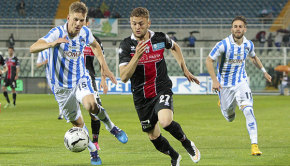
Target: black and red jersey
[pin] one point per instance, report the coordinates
(11, 64)
(89, 57)
(150, 76)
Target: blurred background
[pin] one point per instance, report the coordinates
(196, 25)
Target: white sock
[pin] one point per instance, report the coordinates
(251, 124)
(91, 146)
(104, 117)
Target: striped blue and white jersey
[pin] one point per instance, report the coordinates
(66, 61)
(231, 60)
(43, 56)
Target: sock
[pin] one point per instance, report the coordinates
(91, 146)
(6, 96)
(251, 124)
(95, 125)
(60, 112)
(176, 131)
(162, 145)
(14, 98)
(104, 117)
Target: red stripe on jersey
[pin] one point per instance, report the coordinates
(150, 77)
(88, 52)
(149, 60)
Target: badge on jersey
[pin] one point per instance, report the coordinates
(158, 46)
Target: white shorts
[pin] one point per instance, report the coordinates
(69, 99)
(230, 97)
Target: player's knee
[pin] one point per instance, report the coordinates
(152, 136)
(91, 107)
(165, 123)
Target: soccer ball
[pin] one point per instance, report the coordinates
(76, 139)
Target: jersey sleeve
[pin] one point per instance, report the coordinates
(217, 51)
(168, 42)
(52, 35)
(124, 53)
(90, 37)
(252, 49)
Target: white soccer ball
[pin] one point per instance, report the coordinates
(76, 139)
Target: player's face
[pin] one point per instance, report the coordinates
(75, 23)
(139, 26)
(238, 29)
(10, 51)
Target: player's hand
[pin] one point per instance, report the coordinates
(216, 86)
(109, 74)
(103, 85)
(16, 77)
(190, 77)
(45, 62)
(268, 77)
(59, 41)
(141, 47)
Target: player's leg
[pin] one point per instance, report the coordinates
(162, 145)
(4, 90)
(13, 86)
(228, 103)
(85, 95)
(245, 101)
(67, 102)
(164, 106)
(95, 123)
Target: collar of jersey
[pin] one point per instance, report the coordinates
(151, 35)
(233, 41)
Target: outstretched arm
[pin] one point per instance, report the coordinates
(41, 45)
(176, 51)
(216, 86)
(128, 70)
(257, 62)
(96, 48)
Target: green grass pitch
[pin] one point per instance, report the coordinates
(31, 135)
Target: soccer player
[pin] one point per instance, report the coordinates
(142, 61)
(231, 80)
(70, 80)
(12, 69)
(89, 62)
(42, 60)
(2, 63)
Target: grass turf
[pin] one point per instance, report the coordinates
(32, 135)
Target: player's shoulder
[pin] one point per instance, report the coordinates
(128, 41)
(159, 34)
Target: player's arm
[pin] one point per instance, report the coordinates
(210, 69)
(213, 55)
(176, 51)
(17, 72)
(126, 71)
(104, 85)
(257, 62)
(105, 71)
(5, 68)
(41, 44)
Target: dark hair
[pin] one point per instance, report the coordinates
(140, 12)
(87, 19)
(78, 7)
(241, 18)
(11, 47)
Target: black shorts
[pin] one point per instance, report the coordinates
(10, 82)
(148, 109)
(96, 90)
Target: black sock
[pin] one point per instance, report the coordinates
(162, 145)
(95, 125)
(14, 98)
(176, 131)
(6, 96)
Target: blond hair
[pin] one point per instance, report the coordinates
(140, 12)
(78, 7)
